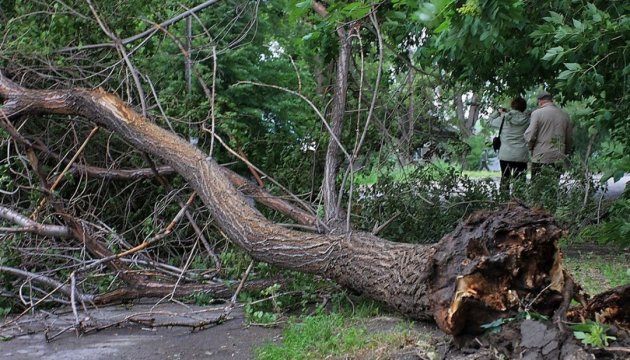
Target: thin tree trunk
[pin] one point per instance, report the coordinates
(473, 113)
(406, 123)
(459, 111)
(333, 212)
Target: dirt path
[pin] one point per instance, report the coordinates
(230, 340)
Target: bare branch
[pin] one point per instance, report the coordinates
(31, 226)
(147, 33)
(44, 280)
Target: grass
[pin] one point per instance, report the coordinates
(481, 174)
(338, 335)
(315, 337)
(598, 273)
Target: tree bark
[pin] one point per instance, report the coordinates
(332, 210)
(473, 113)
(459, 111)
(483, 270)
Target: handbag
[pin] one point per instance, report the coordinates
(496, 141)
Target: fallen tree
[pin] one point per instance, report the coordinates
(490, 266)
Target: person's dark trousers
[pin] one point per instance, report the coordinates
(545, 180)
(512, 170)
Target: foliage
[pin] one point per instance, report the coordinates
(235, 262)
(200, 298)
(592, 333)
(260, 315)
(4, 311)
(424, 205)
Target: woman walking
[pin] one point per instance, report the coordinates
(513, 152)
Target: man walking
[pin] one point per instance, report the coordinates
(549, 137)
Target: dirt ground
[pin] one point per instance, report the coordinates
(233, 339)
(158, 339)
(164, 333)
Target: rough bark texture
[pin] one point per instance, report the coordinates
(329, 188)
(485, 269)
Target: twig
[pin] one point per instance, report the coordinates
(146, 243)
(73, 284)
(378, 229)
(184, 269)
(358, 146)
(537, 296)
(31, 226)
(228, 309)
(123, 52)
(41, 279)
(560, 315)
(60, 332)
(212, 95)
(145, 33)
(28, 309)
(64, 171)
(293, 196)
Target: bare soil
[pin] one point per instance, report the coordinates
(166, 332)
(170, 335)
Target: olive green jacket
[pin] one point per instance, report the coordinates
(513, 144)
(549, 135)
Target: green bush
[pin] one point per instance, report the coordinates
(614, 229)
(425, 204)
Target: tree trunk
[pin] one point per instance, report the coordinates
(473, 113)
(459, 111)
(332, 209)
(483, 270)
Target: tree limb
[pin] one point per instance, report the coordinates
(32, 226)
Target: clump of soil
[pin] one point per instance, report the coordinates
(534, 340)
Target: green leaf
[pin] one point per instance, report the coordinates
(399, 15)
(579, 335)
(444, 26)
(356, 10)
(555, 53)
(573, 66)
(617, 175)
(566, 74)
(311, 36)
(304, 4)
(495, 324)
(578, 25)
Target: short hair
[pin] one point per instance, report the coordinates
(544, 96)
(519, 104)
